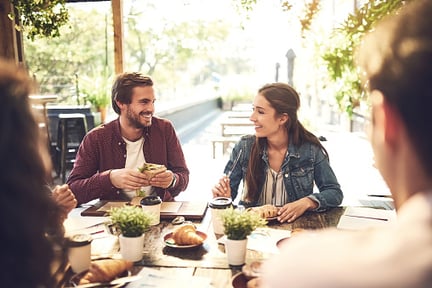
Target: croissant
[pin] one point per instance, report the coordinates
(105, 270)
(186, 235)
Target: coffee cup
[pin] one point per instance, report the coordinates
(152, 205)
(79, 252)
(217, 205)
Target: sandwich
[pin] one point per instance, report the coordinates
(151, 169)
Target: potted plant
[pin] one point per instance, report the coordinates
(238, 225)
(132, 222)
(100, 102)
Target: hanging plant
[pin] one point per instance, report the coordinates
(339, 57)
(40, 17)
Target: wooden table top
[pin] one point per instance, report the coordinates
(208, 260)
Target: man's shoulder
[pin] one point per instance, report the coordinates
(104, 129)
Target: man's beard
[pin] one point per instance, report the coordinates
(134, 120)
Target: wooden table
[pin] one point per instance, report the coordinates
(209, 260)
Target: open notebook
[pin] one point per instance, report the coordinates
(169, 210)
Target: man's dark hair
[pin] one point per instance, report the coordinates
(123, 86)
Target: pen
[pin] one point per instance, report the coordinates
(367, 217)
(234, 164)
(379, 195)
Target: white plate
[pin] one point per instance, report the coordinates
(271, 218)
(170, 242)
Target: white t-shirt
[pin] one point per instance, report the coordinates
(134, 159)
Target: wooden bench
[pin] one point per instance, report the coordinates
(226, 142)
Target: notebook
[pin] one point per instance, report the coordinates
(194, 210)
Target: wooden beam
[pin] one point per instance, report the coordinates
(8, 41)
(117, 11)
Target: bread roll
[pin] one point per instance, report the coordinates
(105, 270)
(186, 235)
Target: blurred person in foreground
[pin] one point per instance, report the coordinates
(31, 219)
(396, 62)
(282, 162)
(109, 156)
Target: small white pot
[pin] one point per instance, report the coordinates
(131, 248)
(236, 251)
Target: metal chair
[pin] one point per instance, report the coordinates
(71, 130)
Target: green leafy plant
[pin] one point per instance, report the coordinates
(132, 221)
(98, 100)
(339, 57)
(238, 224)
(41, 17)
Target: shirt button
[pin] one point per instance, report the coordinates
(286, 175)
(124, 156)
(119, 143)
(118, 192)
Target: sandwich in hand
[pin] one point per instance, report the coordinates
(151, 169)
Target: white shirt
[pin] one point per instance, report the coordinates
(399, 255)
(134, 160)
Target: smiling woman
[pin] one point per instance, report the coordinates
(276, 164)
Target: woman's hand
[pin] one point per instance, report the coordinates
(222, 189)
(64, 198)
(291, 211)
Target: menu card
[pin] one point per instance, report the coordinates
(155, 278)
(355, 218)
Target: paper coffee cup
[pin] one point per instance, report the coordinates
(79, 252)
(217, 205)
(152, 205)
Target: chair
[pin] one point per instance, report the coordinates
(71, 130)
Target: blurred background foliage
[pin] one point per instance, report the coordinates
(68, 46)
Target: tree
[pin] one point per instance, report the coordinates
(41, 17)
(339, 57)
(79, 56)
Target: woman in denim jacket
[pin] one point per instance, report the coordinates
(280, 164)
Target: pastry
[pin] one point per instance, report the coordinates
(105, 270)
(266, 211)
(186, 235)
(151, 169)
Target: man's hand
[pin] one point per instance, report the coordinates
(162, 180)
(128, 179)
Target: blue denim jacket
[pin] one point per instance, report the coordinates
(302, 167)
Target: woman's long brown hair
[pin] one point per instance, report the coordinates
(284, 99)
